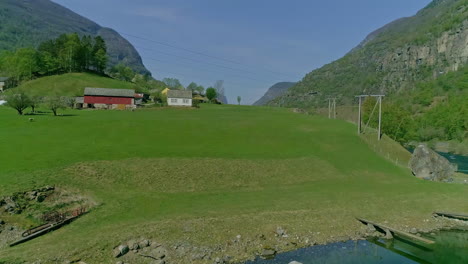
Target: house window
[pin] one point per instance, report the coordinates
(186, 101)
(173, 100)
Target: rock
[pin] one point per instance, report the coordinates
(268, 253)
(388, 234)
(370, 228)
(427, 164)
(294, 262)
(121, 250)
(41, 197)
(159, 253)
(280, 231)
(144, 243)
(119, 262)
(413, 231)
(133, 245)
(10, 206)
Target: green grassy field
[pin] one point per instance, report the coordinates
(203, 176)
(71, 84)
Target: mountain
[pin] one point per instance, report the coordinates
(274, 91)
(27, 23)
(392, 59)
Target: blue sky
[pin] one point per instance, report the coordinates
(250, 44)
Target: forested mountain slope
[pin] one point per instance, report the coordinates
(393, 58)
(27, 23)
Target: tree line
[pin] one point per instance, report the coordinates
(67, 53)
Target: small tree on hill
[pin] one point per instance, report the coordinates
(19, 102)
(55, 103)
(238, 99)
(211, 93)
(35, 102)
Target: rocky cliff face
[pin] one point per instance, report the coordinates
(27, 23)
(274, 91)
(393, 58)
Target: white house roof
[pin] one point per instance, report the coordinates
(179, 94)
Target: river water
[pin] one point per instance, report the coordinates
(461, 161)
(451, 247)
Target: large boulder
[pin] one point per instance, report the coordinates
(427, 164)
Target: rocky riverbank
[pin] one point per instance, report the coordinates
(240, 249)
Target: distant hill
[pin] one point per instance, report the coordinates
(27, 23)
(393, 58)
(274, 91)
(70, 84)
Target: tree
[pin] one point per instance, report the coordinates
(211, 93)
(19, 101)
(173, 83)
(192, 87)
(159, 98)
(238, 99)
(219, 86)
(200, 89)
(122, 72)
(100, 58)
(55, 103)
(35, 101)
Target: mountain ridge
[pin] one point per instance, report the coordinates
(27, 23)
(274, 91)
(392, 58)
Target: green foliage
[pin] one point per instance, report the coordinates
(26, 24)
(67, 53)
(239, 99)
(173, 83)
(211, 93)
(18, 101)
(55, 103)
(122, 72)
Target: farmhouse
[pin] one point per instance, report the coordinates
(105, 98)
(179, 98)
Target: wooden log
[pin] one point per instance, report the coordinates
(44, 231)
(452, 215)
(395, 231)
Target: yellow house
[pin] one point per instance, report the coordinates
(164, 92)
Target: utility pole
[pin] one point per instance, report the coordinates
(334, 108)
(331, 106)
(379, 101)
(359, 117)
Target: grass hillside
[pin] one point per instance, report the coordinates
(200, 177)
(71, 84)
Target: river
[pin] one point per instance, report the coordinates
(451, 247)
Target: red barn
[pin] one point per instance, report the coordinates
(106, 98)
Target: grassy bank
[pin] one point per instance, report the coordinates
(203, 176)
(70, 84)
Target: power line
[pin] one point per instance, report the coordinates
(194, 60)
(191, 77)
(198, 61)
(191, 68)
(198, 53)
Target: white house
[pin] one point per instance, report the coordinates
(2, 83)
(179, 98)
